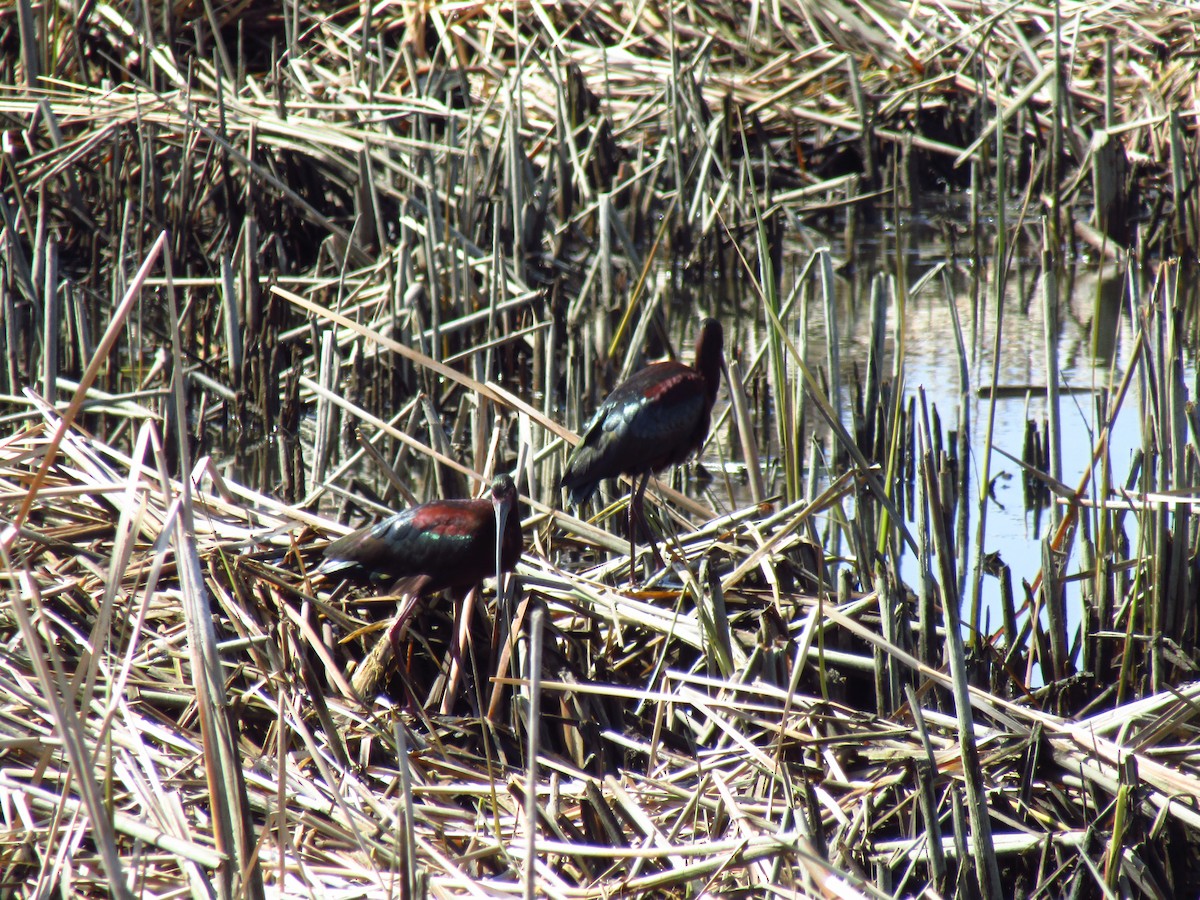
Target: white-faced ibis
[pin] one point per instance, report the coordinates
(440, 545)
(656, 418)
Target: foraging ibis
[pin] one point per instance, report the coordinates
(436, 545)
(440, 545)
(654, 419)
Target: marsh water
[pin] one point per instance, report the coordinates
(1091, 343)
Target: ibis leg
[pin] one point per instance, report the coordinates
(635, 516)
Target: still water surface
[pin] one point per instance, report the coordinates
(1094, 342)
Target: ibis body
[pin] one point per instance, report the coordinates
(434, 546)
(656, 418)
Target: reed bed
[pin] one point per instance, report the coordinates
(271, 270)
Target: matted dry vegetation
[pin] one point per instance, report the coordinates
(269, 267)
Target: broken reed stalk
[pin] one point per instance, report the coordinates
(1050, 330)
(233, 827)
(999, 279)
(982, 846)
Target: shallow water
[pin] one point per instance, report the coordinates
(1094, 344)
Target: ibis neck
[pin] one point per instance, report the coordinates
(709, 356)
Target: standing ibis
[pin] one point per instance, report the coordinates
(656, 418)
(440, 545)
(436, 545)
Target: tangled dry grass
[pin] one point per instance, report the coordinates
(256, 256)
